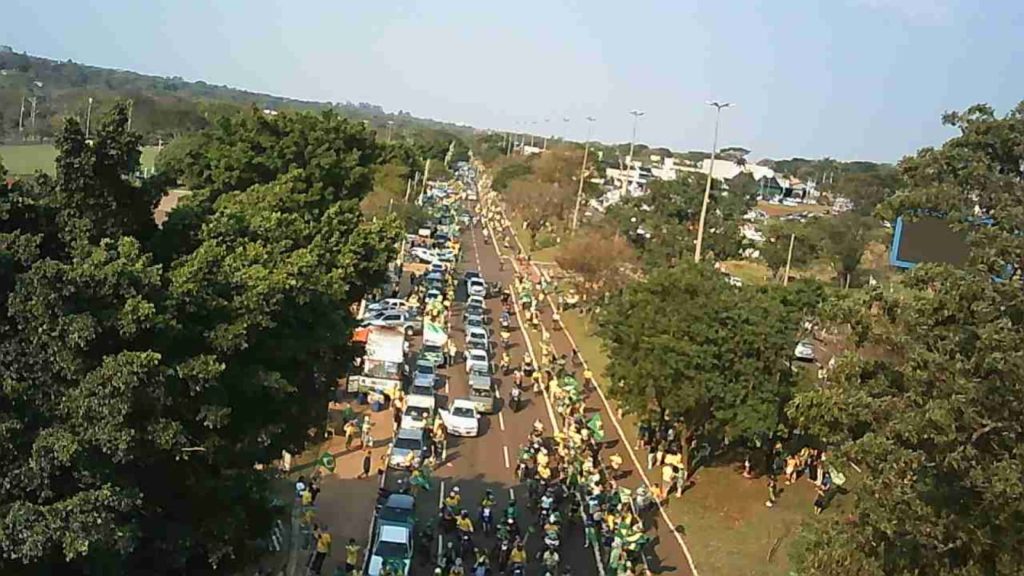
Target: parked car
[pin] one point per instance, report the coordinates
(406, 320)
(476, 287)
(386, 305)
(477, 357)
(407, 449)
(477, 338)
(425, 255)
(431, 353)
(392, 546)
(804, 351)
(475, 322)
(424, 375)
(461, 419)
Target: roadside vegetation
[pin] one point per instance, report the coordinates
(914, 394)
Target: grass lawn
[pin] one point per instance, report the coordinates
(724, 520)
(775, 210)
(23, 160)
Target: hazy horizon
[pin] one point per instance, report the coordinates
(850, 79)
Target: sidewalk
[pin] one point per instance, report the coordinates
(346, 503)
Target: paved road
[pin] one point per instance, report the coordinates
(667, 554)
(488, 461)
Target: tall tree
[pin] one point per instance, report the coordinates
(141, 387)
(683, 344)
(601, 261)
(927, 401)
(976, 181)
(662, 224)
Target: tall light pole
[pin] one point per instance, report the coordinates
(707, 187)
(583, 172)
(636, 117)
(547, 122)
(391, 124)
(88, 118)
(629, 159)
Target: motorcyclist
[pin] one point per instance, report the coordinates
(550, 559)
(514, 395)
(517, 378)
(464, 523)
(505, 363)
(487, 512)
(518, 554)
(506, 319)
(506, 336)
(453, 499)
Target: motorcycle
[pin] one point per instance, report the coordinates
(514, 401)
(466, 544)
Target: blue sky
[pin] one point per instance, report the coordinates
(851, 79)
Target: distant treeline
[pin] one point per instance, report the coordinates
(162, 108)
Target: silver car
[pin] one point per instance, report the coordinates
(407, 449)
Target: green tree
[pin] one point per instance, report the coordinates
(844, 238)
(775, 248)
(662, 224)
(144, 377)
(974, 180)
(927, 401)
(682, 344)
(868, 189)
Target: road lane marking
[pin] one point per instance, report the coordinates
(615, 422)
(504, 450)
(440, 537)
(501, 422)
(511, 493)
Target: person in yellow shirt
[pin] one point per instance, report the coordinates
(351, 556)
(518, 555)
(464, 524)
(323, 548)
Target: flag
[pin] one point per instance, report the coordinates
(326, 460)
(596, 428)
(434, 333)
(422, 479)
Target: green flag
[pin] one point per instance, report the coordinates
(422, 479)
(596, 428)
(326, 460)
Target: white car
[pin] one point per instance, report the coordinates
(477, 339)
(425, 255)
(804, 351)
(477, 357)
(386, 304)
(476, 300)
(477, 288)
(432, 295)
(394, 546)
(461, 419)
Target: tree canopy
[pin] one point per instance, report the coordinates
(662, 224)
(146, 371)
(683, 344)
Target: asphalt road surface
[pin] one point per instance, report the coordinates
(488, 461)
(667, 553)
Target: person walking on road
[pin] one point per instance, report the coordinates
(367, 460)
(350, 433)
(323, 548)
(351, 556)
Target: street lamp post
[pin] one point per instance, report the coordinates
(547, 122)
(707, 187)
(391, 124)
(629, 159)
(583, 171)
(88, 118)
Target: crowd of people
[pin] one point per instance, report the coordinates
(565, 476)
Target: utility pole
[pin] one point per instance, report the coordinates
(789, 259)
(707, 188)
(583, 171)
(32, 114)
(547, 122)
(391, 124)
(21, 119)
(629, 159)
(131, 110)
(408, 189)
(88, 118)
(426, 173)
